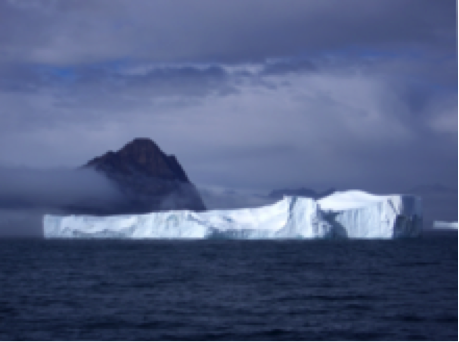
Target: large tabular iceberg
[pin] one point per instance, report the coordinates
(350, 214)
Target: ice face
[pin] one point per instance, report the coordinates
(356, 214)
(280, 219)
(352, 214)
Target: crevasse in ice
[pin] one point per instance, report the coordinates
(350, 214)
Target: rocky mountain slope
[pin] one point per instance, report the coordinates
(149, 179)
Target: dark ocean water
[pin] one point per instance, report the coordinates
(230, 290)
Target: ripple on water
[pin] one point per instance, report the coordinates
(229, 290)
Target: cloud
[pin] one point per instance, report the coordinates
(247, 94)
(442, 116)
(28, 194)
(219, 198)
(445, 122)
(247, 127)
(74, 32)
(59, 188)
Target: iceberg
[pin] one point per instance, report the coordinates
(350, 214)
(291, 217)
(357, 214)
(445, 225)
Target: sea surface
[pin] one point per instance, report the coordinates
(229, 290)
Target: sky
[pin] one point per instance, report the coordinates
(250, 95)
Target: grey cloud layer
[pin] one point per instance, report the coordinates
(248, 94)
(69, 32)
(248, 127)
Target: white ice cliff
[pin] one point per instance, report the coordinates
(350, 214)
(357, 214)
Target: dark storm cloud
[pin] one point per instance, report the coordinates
(318, 121)
(248, 94)
(86, 31)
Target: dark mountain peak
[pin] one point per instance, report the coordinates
(149, 179)
(140, 156)
(141, 145)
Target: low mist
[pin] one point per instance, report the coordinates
(27, 194)
(217, 198)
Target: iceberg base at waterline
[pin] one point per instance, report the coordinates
(350, 214)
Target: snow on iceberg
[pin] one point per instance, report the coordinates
(351, 214)
(445, 225)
